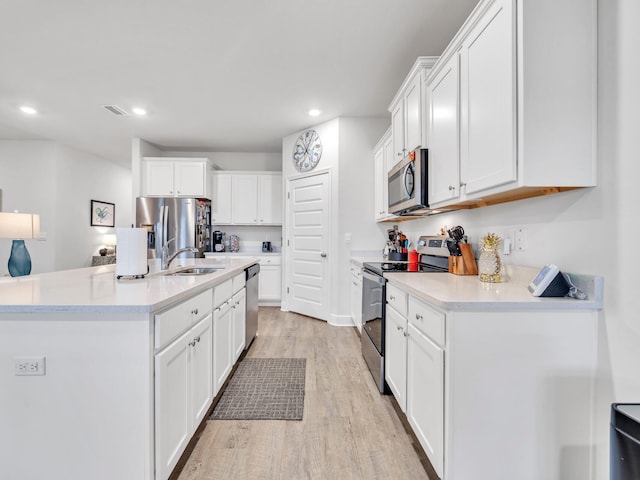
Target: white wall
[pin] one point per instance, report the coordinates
(591, 231)
(58, 183)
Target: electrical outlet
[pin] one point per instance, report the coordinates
(521, 239)
(29, 365)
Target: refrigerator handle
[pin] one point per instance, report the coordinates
(165, 221)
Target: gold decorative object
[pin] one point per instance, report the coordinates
(489, 263)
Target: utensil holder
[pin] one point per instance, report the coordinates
(398, 256)
(464, 264)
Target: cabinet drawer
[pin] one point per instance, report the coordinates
(222, 292)
(238, 282)
(270, 260)
(172, 322)
(427, 319)
(397, 299)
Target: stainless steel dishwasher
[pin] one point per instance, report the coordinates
(252, 303)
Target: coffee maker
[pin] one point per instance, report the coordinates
(218, 241)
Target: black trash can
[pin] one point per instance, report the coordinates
(624, 460)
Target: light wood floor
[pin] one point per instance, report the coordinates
(349, 430)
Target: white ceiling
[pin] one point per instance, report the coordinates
(234, 75)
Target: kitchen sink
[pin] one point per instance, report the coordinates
(191, 271)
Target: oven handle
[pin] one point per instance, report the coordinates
(374, 278)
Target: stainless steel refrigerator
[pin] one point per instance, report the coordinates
(180, 222)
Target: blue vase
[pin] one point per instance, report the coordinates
(19, 260)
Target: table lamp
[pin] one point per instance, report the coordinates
(19, 226)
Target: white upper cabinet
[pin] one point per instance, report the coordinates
(220, 198)
(175, 177)
(244, 199)
(407, 119)
(444, 146)
(248, 198)
(270, 199)
(488, 100)
(511, 104)
(382, 153)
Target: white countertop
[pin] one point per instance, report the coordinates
(467, 292)
(96, 289)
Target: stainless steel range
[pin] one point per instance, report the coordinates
(433, 258)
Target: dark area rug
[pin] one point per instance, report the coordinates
(264, 389)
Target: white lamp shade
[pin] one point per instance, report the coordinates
(19, 225)
(110, 239)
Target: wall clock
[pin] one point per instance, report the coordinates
(307, 151)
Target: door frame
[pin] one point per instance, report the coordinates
(286, 254)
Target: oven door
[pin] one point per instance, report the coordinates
(373, 324)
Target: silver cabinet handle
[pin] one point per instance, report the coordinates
(198, 339)
(323, 255)
(418, 316)
(406, 334)
(194, 311)
(451, 187)
(463, 184)
(192, 344)
(399, 328)
(391, 297)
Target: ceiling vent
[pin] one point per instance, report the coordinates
(116, 110)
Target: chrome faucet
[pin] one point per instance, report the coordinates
(166, 259)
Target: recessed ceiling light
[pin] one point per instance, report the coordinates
(28, 110)
(314, 112)
(139, 111)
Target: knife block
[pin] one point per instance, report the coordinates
(464, 264)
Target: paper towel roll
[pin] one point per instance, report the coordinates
(132, 251)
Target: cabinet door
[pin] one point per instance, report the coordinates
(356, 300)
(221, 345)
(189, 179)
(201, 369)
(270, 283)
(397, 135)
(425, 395)
(239, 307)
(158, 179)
(395, 362)
(244, 195)
(221, 201)
(270, 203)
(172, 404)
(444, 127)
(488, 101)
(413, 115)
(380, 179)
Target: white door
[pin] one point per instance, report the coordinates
(309, 273)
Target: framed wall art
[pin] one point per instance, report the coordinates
(103, 214)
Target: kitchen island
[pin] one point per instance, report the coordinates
(89, 389)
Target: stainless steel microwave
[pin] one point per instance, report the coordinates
(408, 185)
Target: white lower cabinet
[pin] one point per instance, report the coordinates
(486, 390)
(229, 324)
(238, 322)
(425, 394)
(356, 296)
(222, 356)
(396, 356)
(270, 279)
(183, 393)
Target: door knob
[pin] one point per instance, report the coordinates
(323, 255)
